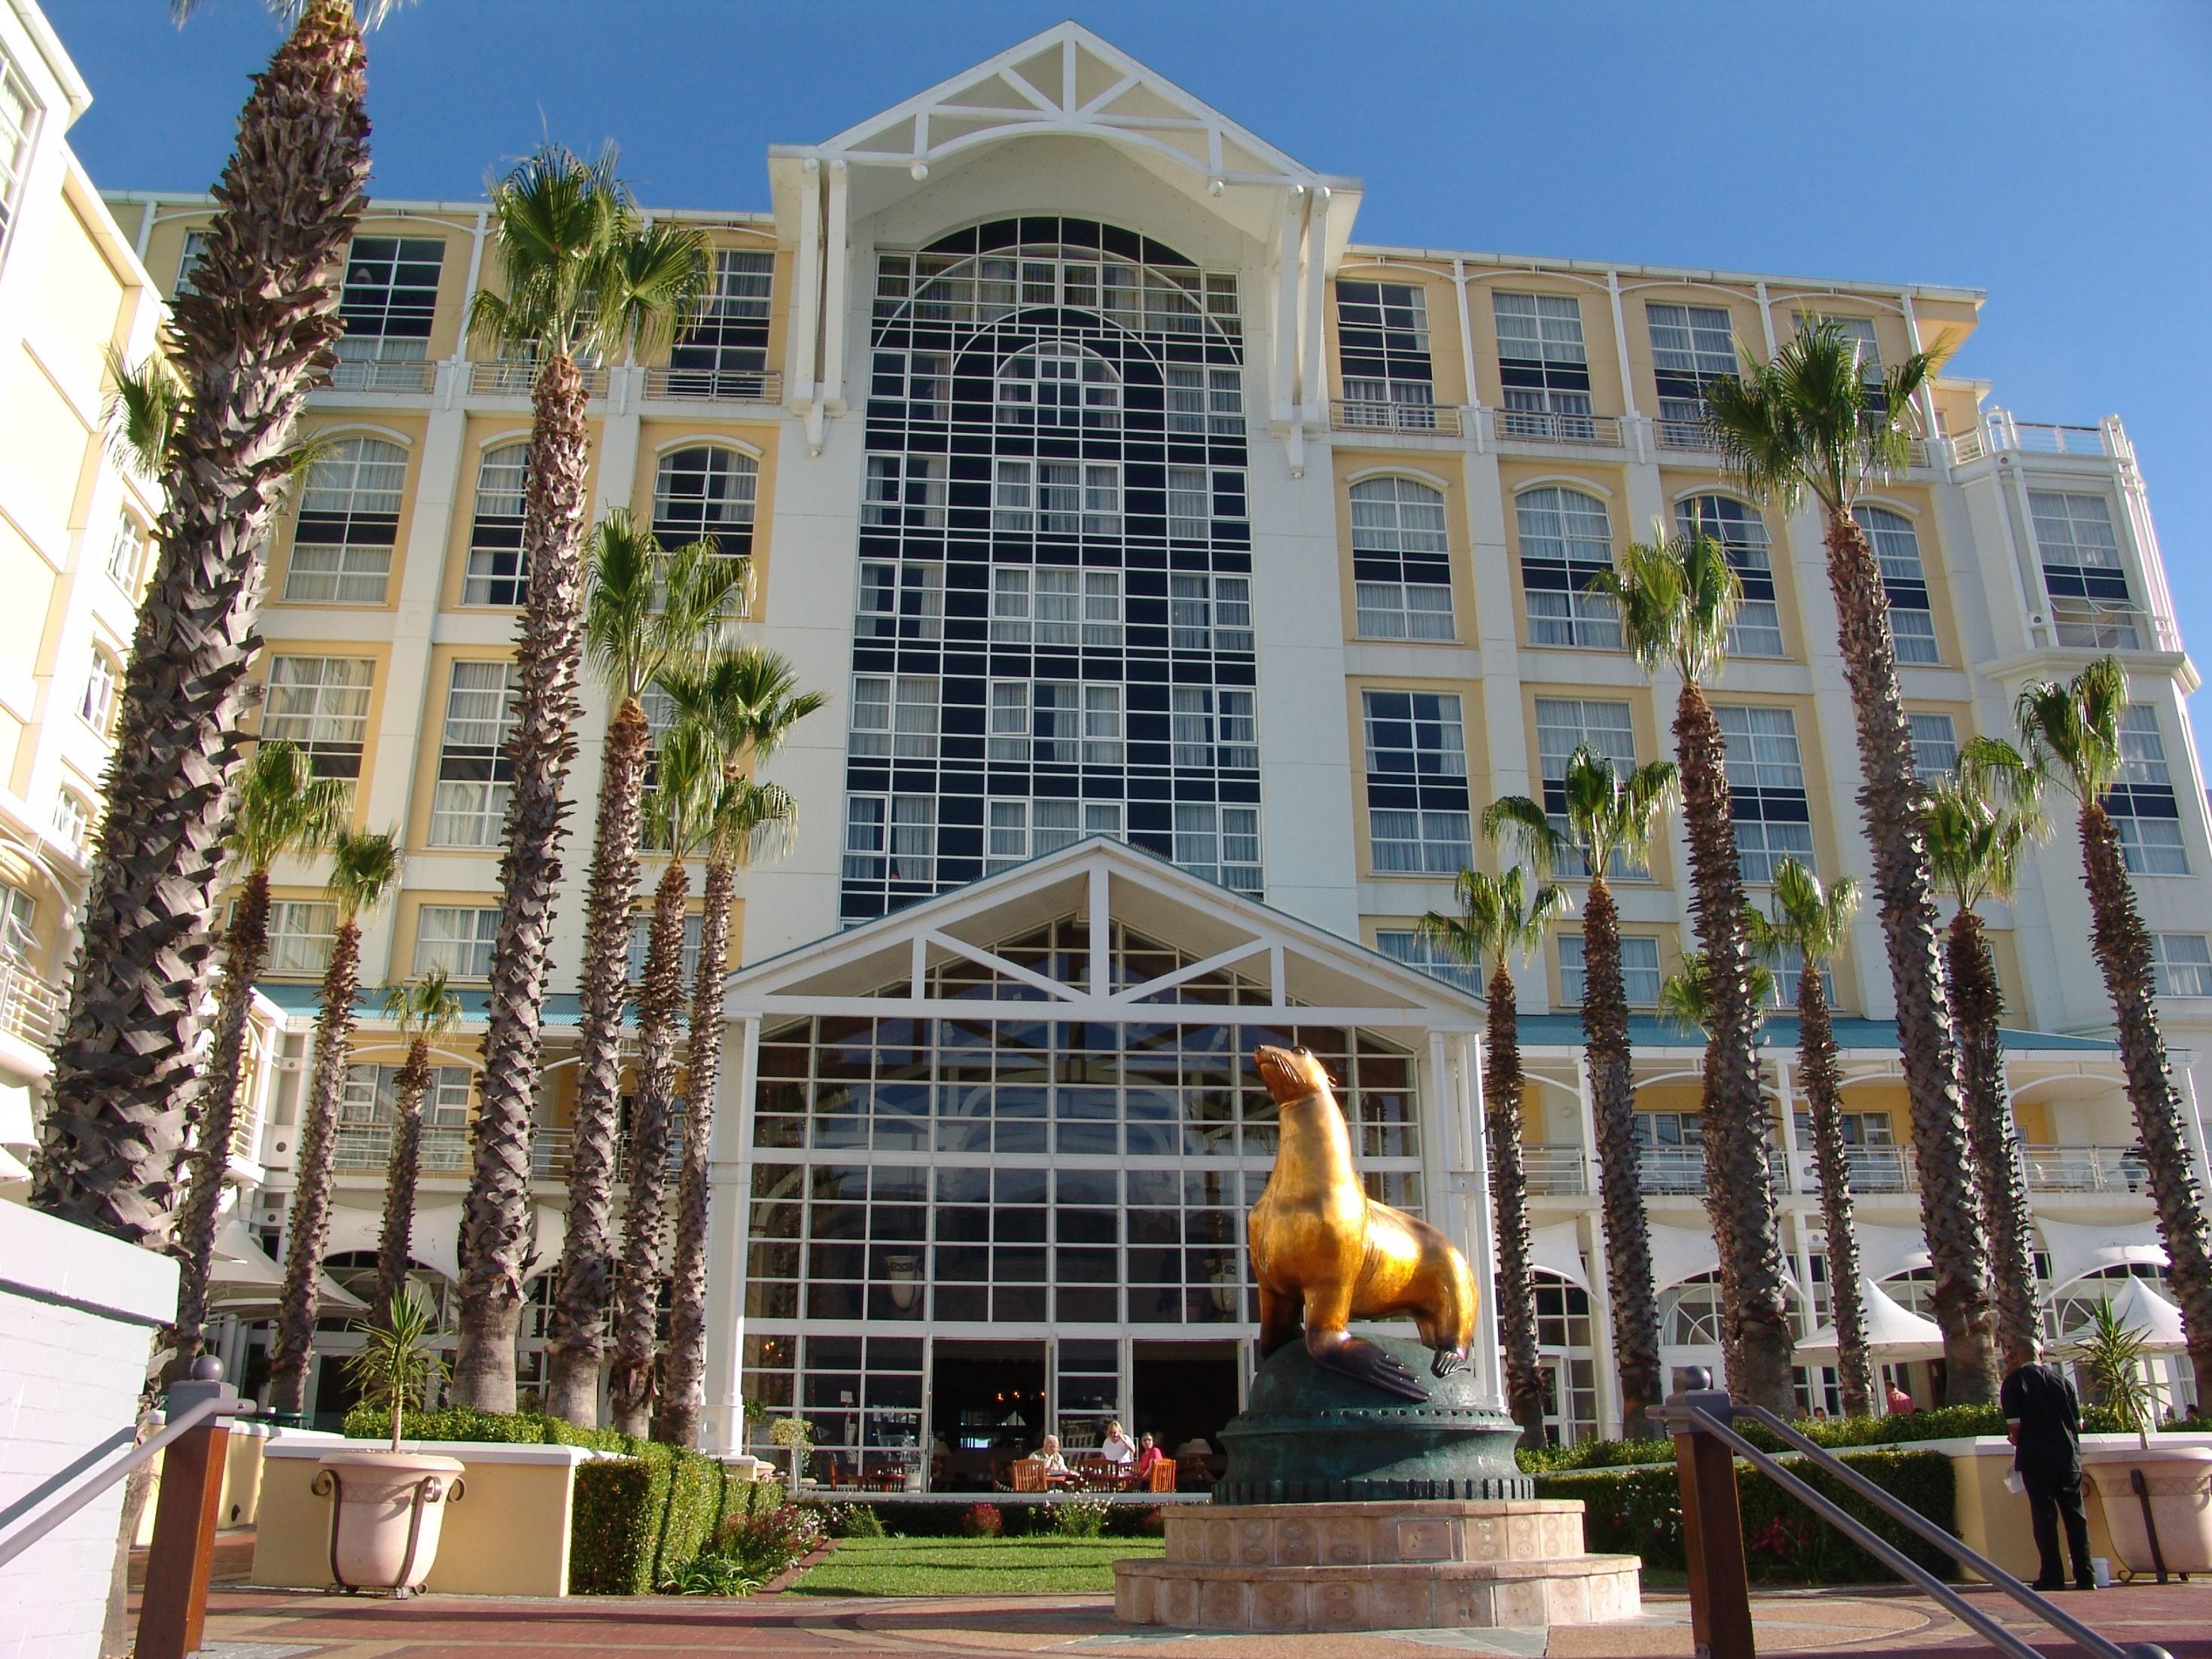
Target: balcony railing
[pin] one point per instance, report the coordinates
(1874, 1170)
(2111, 625)
(497, 380)
(30, 1008)
(1687, 434)
(2085, 1170)
(715, 386)
(1672, 1170)
(353, 375)
(366, 1148)
(1559, 1171)
(1540, 426)
(1999, 431)
(1354, 415)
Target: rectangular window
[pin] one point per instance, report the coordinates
(456, 938)
(1190, 503)
(1205, 400)
(300, 934)
(914, 838)
(1766, 778)
(126, 556)
(1566, 724)
(640, 947)
(1056, 722)
(1239, 730)
(1006, 834)
(1756, 628)
(1056, 607)
(1008, 738)
(1101, 725)
(1213, 728)
(1209, 612)
(370, 1096)
(1691, 345)
(901, 599)
(1101, 610)
(1382, 342)
(1401, 560)
(1412, 843)
(496, 572)
(2183, 962)
(1057, 824)
(1639, 971)
(18, 115)
(2083, 572)
(1418, 733)
(1904, 583)
(320, 705)
(1786, 968)
(864, 838)
(904, 491)
(1219, 843)
(390, 299)
(2143, 804)
(1418, 816)
(348, 525)
(1429, 958)
(1544, 366)
(468, 807)
(722, 351)
(1935, 746)
(1566, 544)
(921, 380)
(894, 716)
(188, 264)
(1060, 498)
(1192, 726)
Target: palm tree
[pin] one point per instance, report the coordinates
(748, 700)
(364, 867)
(425, 1010)
(278, 806)
(247, 345)
(2071, 732)
(1502, 919)
(648, 610)
(1809, 422)
(583, 279)
(1976, 833)
(1608, 816)
(1676, 597)
(1815, 923)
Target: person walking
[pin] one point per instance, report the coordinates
(2042, 1420)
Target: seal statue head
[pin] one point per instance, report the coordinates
(1291, 1073)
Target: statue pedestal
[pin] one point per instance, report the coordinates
(1421, 1565)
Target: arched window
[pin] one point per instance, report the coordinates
(706, 492)
(1059, 386)
(498, 574)
(348, 521)
(1566, 540)
(1401, 560)
(1897, 548)
(1757, 629)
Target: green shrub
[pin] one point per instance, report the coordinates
(1593, 1454)
(1080, 1518)
(1946, 1422)
(713, 1575)
(494, 1428)
(764, 1544)
(1135, 1521)
(641, 1519)
(847, 1520)
(1638, 1512)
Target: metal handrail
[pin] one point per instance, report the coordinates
(1690, 1411)
(39, 1512)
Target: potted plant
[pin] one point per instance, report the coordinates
(2157, 1500)
(387, 1505)
(797, 1434)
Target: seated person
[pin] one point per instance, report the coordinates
(1148, 1454)
(1053, 1466)
(1117, 1448)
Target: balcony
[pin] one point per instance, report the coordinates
(1874, 1170)
(1426, 420)
(1538, 426)
(2085, 1170)
(2109, 625)
(30, 1008)
(502, 380)
(1555, 1171)
(366, 1148)
(715, 386)
(355, 374)
(1694, 436)
(1999, 431)
(1665, 1170)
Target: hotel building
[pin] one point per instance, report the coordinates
(1186, 576)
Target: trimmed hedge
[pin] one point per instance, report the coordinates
(1946, 1422)
(1638, 1512)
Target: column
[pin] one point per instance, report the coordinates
(729, 1180)
(1481, 1233)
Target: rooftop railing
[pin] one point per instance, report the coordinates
(2000, 431)
(2111, 625)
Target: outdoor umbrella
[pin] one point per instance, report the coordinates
(1894, 1333)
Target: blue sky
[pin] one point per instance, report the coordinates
(2053, 154)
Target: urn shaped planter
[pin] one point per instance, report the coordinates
(386, 1508)
(2168, 1488)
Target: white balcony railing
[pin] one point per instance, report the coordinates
(355, 374)
(1672, 1170)
(30, 1008)
(1540, 426)
(1356, 415)
(716, 386)
(1560, 1170)
(1693, 436)
(501, 379)
(2109, 625)
(2000, 431)
(1874, 1170)
(2085, 1169)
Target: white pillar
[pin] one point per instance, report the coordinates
(729, 1180)
(1482, 1230)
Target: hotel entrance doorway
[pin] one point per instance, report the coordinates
(1185, 1391)
(987, 1408)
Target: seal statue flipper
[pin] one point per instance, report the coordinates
(1361, 1360)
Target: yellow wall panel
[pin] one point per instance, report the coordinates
(80, 295)
(28, 581)
(47, 445)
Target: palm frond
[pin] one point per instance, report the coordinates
(424, 1007)
(1501, 917)
(143, 409)
(1685, 995)
(661, 273)
(1521, 825)
(1676, 595)
(364, 868)
(1808, 917)
(2070, 732)
(687, 777)
(748, 698)
(278, 805)
(1979, 823)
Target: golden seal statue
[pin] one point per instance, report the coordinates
(1324, 1252)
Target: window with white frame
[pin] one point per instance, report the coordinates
(1202, 400)
(1639, 970)
(1059, 386)
(72, 819)
(126, 556)
(890, 838)
(188, 264)
(919, 381)
(2183, 964)
(706, 493)
(1006, 834)
(370, 1096)
(1401, 560)
(723, 348)
(1544, 365)
(1566, 543)
(456, 938)
(320, 705)
(1741, 532)
(19, 915)
(2082, 571)
(103, 688)
(497, 573)
(1055, 606)
(1382, 344)
(349, 522)
(640, 946)
(476, 774)
(19, 114)
(1766, 781)
(914, 838)
(1209, 613)
(2141, 802)
(1785, 968)
(1015, 831)
(894, 716)
(1417, 814)
(1198, 496)
(1858, 333)
(1058, 498)
(904, 491)
(1429, 958)
(1212, 727)
(1691, 346)
(1101, 726)
(1220, 844)
(300, 934)
(389, 301)
(1056, 722)
(1413, 843)
(1415, 733)
(1935, 744)
(1905, 581)
(901, 598)
(1564, 724)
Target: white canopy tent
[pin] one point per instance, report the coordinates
(1886, 1252)
(2077, 1250)
(2141, 1308)
(1557, 1248)
(243, 1280)
(1894, 1332)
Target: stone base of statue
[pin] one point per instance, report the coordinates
(1345, 1508)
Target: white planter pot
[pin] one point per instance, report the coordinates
(2178, 1488)
(386, 1511)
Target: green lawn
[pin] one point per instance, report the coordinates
(972, 1566)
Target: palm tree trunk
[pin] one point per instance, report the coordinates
(2122, 947)
(1502, 1084)
(250, 344)
(1822, 1076)
(246, 947)
(1620, 1185)
(1978, 1006)
(684, 1371)
(496, 1220)
(1739, 1187)
(645, 1222)
(311, 1199)
(576, 1337)
(1891, 799)
(394, 1250)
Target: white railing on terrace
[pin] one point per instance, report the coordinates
(515, 380)
(1686, 435)
(1672, 1170)
(366, 1148)
(1354, 415)
(1555, 1169)
(353, 375)
(1538, 426)
(719, 385)
(1874, 1170)
(2000, 431)
(2085, 1169)
(30, 1008)
(2109, 625)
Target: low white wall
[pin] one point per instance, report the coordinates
(78, 1311)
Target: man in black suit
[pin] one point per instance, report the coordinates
(2043, 1419)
